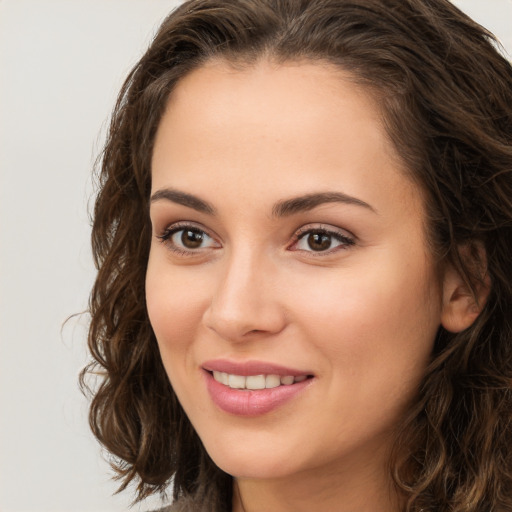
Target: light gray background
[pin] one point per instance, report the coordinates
(61, 65)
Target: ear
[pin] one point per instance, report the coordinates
(461, 304)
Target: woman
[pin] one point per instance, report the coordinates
(302, 237)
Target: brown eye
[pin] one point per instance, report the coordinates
(192, 239)
(319, 241)
(322, 240)
(187, 240)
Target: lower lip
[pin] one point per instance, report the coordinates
(251, 402)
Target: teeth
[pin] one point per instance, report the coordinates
(272, 381)
(236, 382)
(254, 382)
(221, 377)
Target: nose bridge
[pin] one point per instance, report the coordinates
(245, 300)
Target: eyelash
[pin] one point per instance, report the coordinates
(345, 240)
(166, 238)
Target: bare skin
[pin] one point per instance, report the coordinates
(342, 288)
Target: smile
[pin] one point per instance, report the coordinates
(255, 382)
(253, 388)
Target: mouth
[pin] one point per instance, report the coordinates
(256, 382)
(253, 388)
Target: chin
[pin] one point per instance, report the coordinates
(259, 468)
(247, 460)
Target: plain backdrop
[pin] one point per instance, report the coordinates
(61, 65)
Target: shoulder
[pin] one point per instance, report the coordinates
(175, 507)
(193, 503)
(182, 505)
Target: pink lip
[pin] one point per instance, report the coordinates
(251, 402)
(245, 368)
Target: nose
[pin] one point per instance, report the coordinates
(246, 300)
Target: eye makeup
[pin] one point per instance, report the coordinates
(189, 239)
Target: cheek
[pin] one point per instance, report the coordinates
(377, 319)
(174, 304)
(174, 310)
(375, 334)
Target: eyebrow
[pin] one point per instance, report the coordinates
(176, 196)
(281, 209)
(310, 201)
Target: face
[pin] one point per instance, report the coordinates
(289, 283)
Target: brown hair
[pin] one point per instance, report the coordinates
(446, 97)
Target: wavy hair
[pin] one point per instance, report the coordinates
(445, 91)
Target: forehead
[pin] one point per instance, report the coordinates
(277, 101)
(308, 125)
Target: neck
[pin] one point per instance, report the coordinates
(356, 486)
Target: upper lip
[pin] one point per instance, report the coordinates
(245, 368)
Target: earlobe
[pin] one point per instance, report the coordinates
(461, 305)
